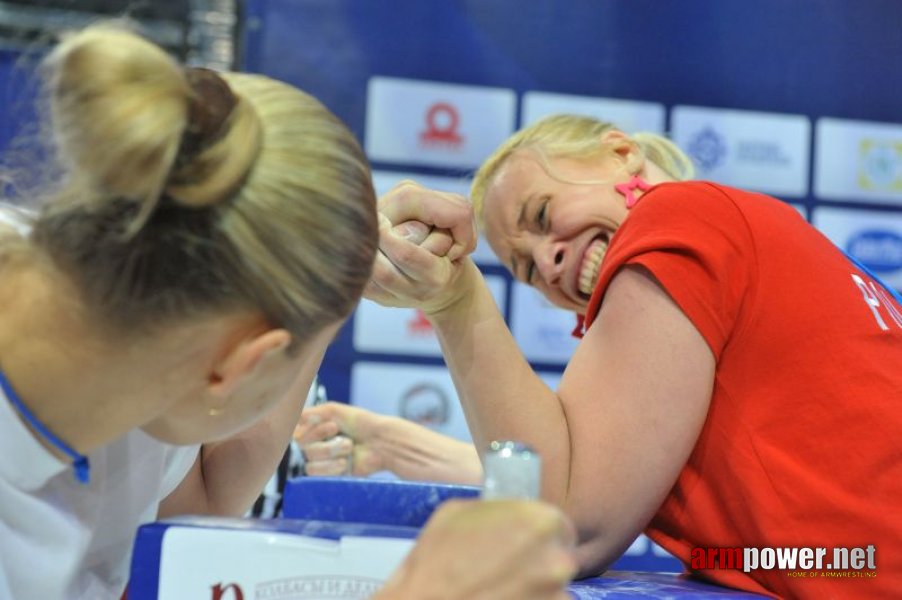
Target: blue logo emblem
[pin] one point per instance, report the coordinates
(879, 250)
(708, 149)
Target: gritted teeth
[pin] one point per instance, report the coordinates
(588, 271)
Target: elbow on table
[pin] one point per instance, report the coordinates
(597, 551)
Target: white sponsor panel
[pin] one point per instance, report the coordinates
(767, 152)
(422, 394)
(873, 237)
(631, 116)
(384, 181)
(405, 330)
(232, 564)
(858, 161)
(436, 124)
(542, 330)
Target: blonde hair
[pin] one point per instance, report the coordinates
(275, 212)
(578, 137)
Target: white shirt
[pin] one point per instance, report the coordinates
(60, 539)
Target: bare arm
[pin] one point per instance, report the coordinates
(382, 443)
(636, 395)
(629, 409)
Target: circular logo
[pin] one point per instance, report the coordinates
(426, 404)
(442, 121)
(881, 163)
(708, 149)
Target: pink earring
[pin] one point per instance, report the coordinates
(626, 189)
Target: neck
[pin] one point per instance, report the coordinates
(83, 388)
(654, 174)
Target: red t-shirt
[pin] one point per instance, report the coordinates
(802, 445)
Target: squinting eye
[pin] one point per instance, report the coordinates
(530, 271)
(541, 216)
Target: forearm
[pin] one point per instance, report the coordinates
(501, 395)
(235, 470)
(416, 453)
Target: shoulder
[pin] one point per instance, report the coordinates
(697, 215)
(692, 196)
(680, 214)
(695, 239)
(688, 198)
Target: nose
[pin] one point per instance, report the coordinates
(549, 258)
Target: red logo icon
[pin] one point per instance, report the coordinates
(419, 325)
(442, 121)
(220, 592)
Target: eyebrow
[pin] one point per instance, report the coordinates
(521, 224)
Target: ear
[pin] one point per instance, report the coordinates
(246, 358)
(624, 147)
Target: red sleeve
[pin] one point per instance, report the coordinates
(694, 239)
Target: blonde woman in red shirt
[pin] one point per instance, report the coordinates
(738, 382)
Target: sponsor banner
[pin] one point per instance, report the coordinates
(873, 237)
(858, 161)
(213, 564)
(436, 124)
(631, 116)
(383, 181)
(767, 152)
(422, 394)
(405, 330)
(541, 329)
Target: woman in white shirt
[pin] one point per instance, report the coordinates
(207, 238)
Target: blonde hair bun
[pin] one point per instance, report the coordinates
(119, 105)
(122, 110)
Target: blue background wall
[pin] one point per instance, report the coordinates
(815, 57)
